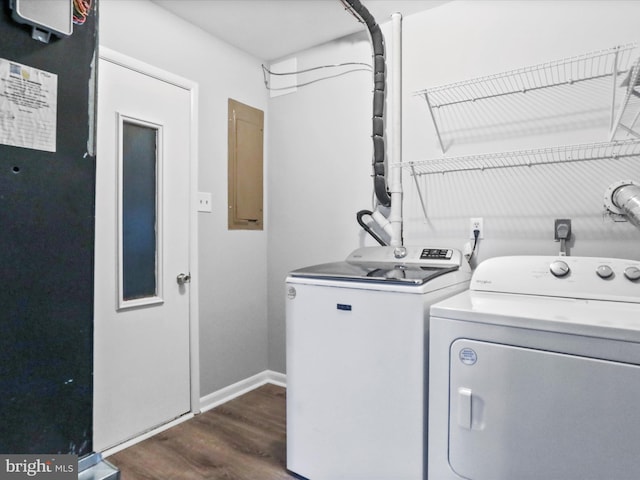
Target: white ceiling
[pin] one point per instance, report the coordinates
(272, 29)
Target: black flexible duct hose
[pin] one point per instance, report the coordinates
(366, 228)
(379, 79)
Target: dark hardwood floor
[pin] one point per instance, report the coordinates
(243, 439)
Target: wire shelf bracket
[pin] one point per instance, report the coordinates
(632, 82)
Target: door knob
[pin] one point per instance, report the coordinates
(183, 278)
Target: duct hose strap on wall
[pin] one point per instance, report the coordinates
(627, 199)
(377, 40)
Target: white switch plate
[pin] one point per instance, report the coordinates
(204, 202)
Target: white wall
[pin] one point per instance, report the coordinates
(233, 269)
(320, 151)
(466, 39)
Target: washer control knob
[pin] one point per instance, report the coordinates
(400, 252)
(559, 268)
(604, 271)
(632, 273)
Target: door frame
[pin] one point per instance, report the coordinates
(107, 55)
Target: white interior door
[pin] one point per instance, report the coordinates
(142, 336)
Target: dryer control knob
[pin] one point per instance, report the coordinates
(632, 273)
(400, 252)
(604, 271)
(559, 268)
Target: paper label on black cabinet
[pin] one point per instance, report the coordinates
(28, 106)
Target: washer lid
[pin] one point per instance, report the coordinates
(374, 272)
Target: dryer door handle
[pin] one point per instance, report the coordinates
(465, 397)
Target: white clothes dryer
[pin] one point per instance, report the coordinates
(535, 372)
(356, 361)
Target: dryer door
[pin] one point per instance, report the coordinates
(532, 414)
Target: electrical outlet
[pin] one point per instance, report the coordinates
(476, 224)
(204, 202)
(562, 229)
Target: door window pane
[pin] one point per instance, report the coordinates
(139, 211)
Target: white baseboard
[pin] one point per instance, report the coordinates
(144, 436)
(240, 388)
(208, 402)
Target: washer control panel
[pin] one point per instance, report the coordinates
(436, 253)
(572, 277)
(421, 256)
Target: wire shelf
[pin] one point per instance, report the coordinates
(550, 155)
(611, 62)
(599, 64)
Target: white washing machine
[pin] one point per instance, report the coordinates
(356, 361)
(535, 372)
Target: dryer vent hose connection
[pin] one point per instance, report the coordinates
(379, 79)
(366, 227)
(627, 199)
